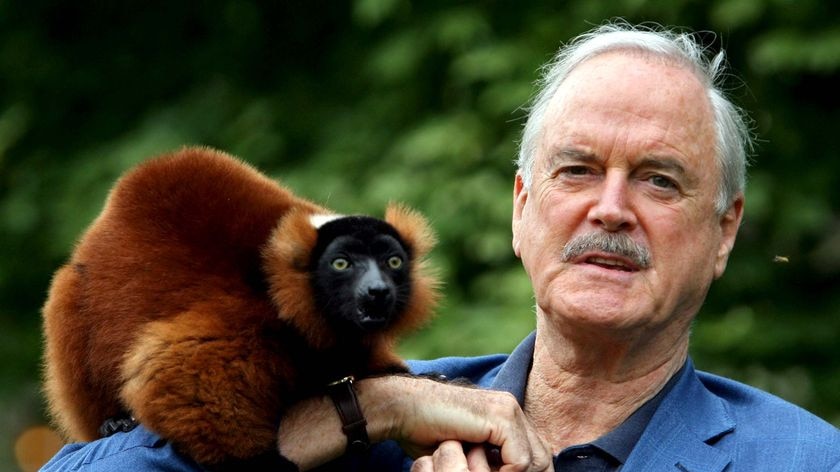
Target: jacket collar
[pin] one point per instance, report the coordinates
(679, 435)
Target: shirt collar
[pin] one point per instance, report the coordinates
(620, 441)
(513, 378)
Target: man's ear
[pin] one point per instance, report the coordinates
(730, 221)
(520, 196)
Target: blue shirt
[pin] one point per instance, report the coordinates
(698, 423)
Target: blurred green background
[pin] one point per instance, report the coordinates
(357, 103)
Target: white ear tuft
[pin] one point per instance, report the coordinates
(320, 220)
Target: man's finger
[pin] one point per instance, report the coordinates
(423, 464)
(450, 457)
(477, 459)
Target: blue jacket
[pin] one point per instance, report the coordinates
(705, 423)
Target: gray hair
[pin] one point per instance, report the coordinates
(732, 129)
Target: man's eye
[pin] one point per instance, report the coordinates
(662, 182)
(576, 170)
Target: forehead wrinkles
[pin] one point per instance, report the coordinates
(658, 102)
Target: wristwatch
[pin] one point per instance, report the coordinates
(353, 422)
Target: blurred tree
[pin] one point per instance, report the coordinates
(357, 103)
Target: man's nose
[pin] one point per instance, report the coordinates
(612, 210)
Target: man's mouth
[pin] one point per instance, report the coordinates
(612, 263)
(614, 251)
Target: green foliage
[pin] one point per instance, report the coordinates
(355, 104)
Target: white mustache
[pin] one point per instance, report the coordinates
(613, 243)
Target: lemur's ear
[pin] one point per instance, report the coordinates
(413, 228)
(287, 264)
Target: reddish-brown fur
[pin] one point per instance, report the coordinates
(177, 303)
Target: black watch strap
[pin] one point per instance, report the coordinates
(353, 422)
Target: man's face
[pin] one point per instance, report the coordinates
(627, 147)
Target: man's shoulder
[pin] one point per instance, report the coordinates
(754, 410)
(138, 449)
(771, 431)
(708, 422)
(479, 370)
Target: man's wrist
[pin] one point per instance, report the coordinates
(384, 414)
(353, 422)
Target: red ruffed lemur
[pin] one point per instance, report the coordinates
(206, 298)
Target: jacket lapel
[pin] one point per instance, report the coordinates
(678, 435)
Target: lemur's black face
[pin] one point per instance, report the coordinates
(362, 277)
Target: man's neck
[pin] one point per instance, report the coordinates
(577, 392)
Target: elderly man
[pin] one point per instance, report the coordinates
(626, 205)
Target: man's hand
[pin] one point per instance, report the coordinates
(435, 412)
(450, 456)
(420, 414)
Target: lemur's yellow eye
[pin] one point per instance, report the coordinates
(340, 263)
(395, 262)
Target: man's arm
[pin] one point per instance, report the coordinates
(419, 414)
